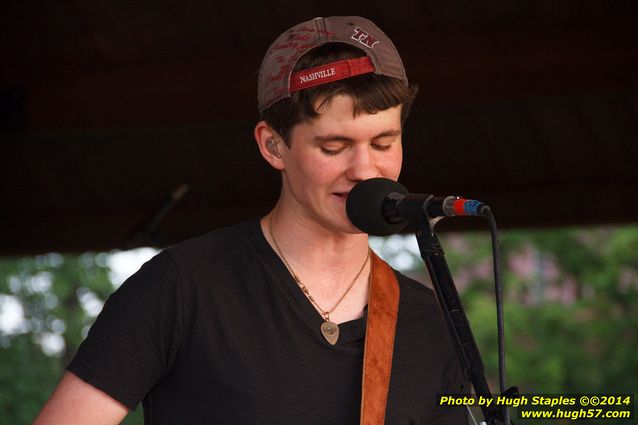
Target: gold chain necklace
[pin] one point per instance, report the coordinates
(330, 330)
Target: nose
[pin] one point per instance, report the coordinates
(362, 165)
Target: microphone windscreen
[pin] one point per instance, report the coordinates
(364, 206)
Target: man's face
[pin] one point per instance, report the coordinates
(328, 155)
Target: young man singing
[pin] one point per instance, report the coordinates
(271, 321)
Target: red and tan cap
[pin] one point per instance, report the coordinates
(276, 80)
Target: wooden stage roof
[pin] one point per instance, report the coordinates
(106, 108)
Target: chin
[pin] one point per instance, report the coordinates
(348, 228)
(354, 231)
(339, 222)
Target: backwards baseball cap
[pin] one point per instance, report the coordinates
(277, 81)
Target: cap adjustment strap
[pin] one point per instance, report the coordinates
(329, 72)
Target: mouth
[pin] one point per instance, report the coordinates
(341, 195)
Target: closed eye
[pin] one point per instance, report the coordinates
(332, 152)
(381, 147)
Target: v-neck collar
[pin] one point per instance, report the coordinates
(349, 331)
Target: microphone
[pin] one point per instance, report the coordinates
(380, 206)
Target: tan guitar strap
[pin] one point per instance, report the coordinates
(383, 309)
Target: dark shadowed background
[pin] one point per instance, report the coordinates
(106, 108)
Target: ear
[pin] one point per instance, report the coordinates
(269, 143)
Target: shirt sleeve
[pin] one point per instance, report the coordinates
(135, 338)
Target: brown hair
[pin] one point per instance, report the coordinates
(370, 92)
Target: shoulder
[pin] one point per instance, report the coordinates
(415, 293)
(194, 259)
(419, 309)
(219, 239)
(214, 246)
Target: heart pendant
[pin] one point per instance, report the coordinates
(330, 331)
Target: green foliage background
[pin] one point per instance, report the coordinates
(571, 307)
(50, 288)
(581, 339)
(571, 311)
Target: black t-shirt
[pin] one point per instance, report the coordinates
(216, 331)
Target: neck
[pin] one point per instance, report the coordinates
(326, 262)
(310, 247)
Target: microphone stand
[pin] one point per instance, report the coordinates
(450, 303)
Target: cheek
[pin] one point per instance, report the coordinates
(312, 173)
(322, 174)
(391, 166)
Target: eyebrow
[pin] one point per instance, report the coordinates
(341, 138)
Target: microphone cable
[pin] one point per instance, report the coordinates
(500, 320)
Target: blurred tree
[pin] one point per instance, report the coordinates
(578, 332)
(59, 297)
(571, 305)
